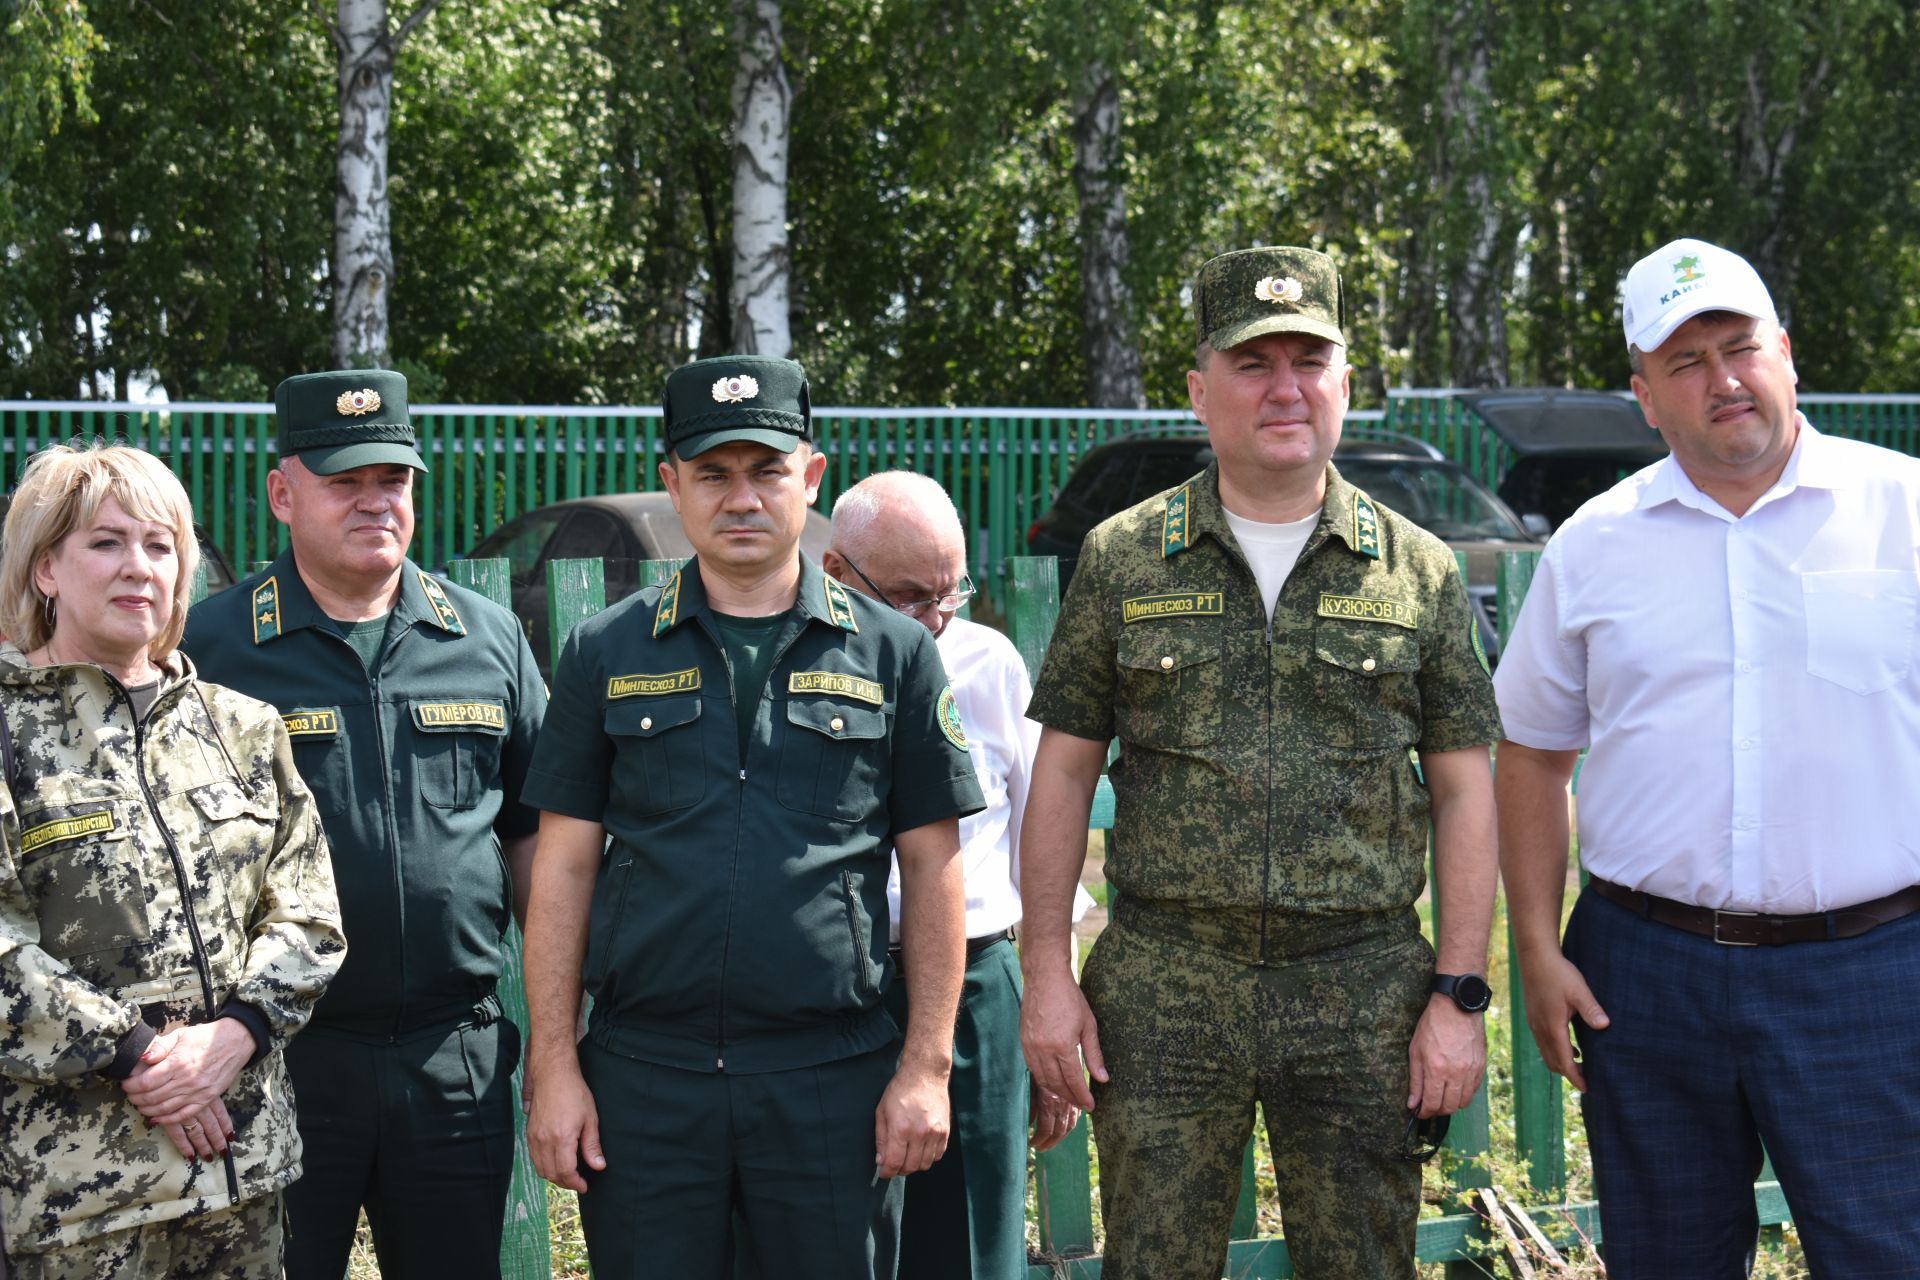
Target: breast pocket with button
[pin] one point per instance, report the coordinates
(1860, 626)
(86, 884)
(1365, 685)
(1172, 688)
(659, 763)
(457, 753)
(833, 758)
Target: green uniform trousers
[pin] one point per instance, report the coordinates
(240, 1243)
(792, 1151)
(966, 1217)
(420, 1133)
(1194, 1033)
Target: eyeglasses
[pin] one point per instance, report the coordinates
(948, 603)
(1424, 1137)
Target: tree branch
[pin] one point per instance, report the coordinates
(413, 20)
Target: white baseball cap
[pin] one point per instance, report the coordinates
(1682, 279)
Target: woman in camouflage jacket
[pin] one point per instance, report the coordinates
(167, 907)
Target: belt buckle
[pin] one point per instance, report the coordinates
(1725, 942)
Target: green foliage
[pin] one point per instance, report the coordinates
(561, 175)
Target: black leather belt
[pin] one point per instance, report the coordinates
(974, 945)
(1751, 928)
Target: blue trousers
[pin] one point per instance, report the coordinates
(1811, 1048)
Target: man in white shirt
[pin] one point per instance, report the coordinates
(1731, 635)
(897, 537)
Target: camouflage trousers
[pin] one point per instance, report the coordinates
(1194, 1035)
(240, 1243)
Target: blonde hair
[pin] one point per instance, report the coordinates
(63, 489)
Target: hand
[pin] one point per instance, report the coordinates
(911, 1123)
(203, 1136)
(1556, 994)
(1056, 1027)
(1447, 1058)
(1053, 1119)
(563, 1128)
(184, 1071)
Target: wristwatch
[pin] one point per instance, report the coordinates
(1469, 990)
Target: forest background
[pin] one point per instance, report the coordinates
(985, 202)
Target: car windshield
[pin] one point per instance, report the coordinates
(1438, 496)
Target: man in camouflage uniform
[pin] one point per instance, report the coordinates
(148, 880)
(1268, 644)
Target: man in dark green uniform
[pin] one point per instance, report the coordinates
(413, 706)
(1268, 644)
(755, 739)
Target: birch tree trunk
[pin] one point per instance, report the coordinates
(762, 104)
(1474, 303)
(1768, 132)
(1114, 379)
(362, 222)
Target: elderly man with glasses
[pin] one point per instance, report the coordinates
(897, 537)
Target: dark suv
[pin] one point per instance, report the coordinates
(1413, 478)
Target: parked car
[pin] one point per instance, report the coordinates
(1568, 445)
(621, 528)
(1408, 475)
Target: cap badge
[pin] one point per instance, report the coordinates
(1687, 269)
(352, 404)
(1282, 289)
(735, 389)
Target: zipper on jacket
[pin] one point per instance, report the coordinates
(186, 893)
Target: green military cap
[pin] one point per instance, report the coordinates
(759, 399)
(346, 418)
(1252, 292)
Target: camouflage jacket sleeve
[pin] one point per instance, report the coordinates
(294, 942)
(57, 1027)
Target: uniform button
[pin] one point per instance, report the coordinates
(838, 724)
(646, 722)
(1166, 663)
(1368, 665)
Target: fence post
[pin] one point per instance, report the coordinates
(1539, 1123)
(524, 1252)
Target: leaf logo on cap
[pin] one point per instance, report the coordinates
(734, 390)
(1687, 269)
(1282, 289)
(352, 404)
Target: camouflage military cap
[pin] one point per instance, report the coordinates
(346, 418)
(758, 399)
(1252, 292)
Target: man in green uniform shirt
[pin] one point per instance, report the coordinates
(755, 739)
(1268, 644)
(413, 706)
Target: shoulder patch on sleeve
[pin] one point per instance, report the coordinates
(839, 608)
(266, 611)
(443, 610)
(1173, 525)
(667, 612)
(949, 714)
(1366, 526)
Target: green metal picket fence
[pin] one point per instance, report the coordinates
(489, 463)
(1064, 1176)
